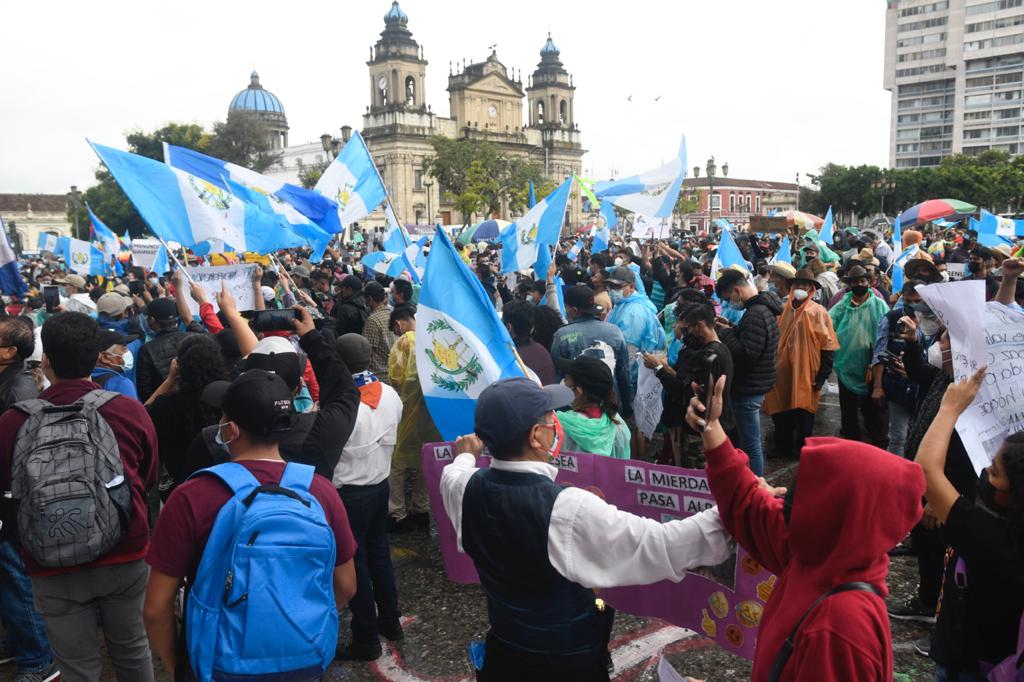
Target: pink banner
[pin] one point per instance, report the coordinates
(722, 602)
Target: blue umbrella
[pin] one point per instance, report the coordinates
(487, 231)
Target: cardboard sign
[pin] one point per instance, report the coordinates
(144, 252)
(723, 602)
(764, 223)
(238, 279)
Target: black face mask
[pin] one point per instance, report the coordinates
(987, 493)
(974, 268)
(691, 340)
(859, 290)
(707, 270)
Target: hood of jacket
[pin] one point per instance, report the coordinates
(768, 299)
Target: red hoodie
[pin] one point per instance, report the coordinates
(853, 503)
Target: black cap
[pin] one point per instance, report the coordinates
(162, 309)
(111, 337)
(622, 275)
(354, 350)
(351, 282)
(582, 297)
(591, 375)
(509, 408)
(257, 400)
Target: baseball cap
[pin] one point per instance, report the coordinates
(277, 355)
(162, 309)
(257, 400)
(111, 337)
(351, 282)
(73, 280)
(123, 290)
(354, 350)
(509, 408)
(299, 271)
(112, 304)
(582, 297)
(622, 275)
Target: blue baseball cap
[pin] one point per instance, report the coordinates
(509, 408)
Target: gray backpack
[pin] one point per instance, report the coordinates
(75, 503)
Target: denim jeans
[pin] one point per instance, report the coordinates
(26, 633)
(746, 434)
(899, 424)
(367, 508)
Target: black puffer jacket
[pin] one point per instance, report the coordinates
(154, 361)
(753, 344)
(350, 315)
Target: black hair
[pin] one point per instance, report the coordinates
(375, 292)
(687, 298)
(700, 312)
(545, 323)
(20, 333)
(200, 362)
(600, 260)
(727, 281)
(1013, 464)
(686, 270)
(70, 342)
(403, 311)
(95, 293)
(519, 315)
(910, 286)
(403, 288)
(229, 346)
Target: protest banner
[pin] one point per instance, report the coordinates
(144, 252)
(990, 334)
(956, 271)
(238, 279)
(646, 227)
(723, 602)
(647, 405)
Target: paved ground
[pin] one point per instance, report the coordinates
(442, 617)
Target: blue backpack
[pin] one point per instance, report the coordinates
(263, 599)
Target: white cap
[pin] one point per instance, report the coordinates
(268, 293)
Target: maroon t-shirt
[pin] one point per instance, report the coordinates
(186, 520)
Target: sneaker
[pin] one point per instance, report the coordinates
(923, 646)
(6, 652)
(391, 631)
(47, 674)
(360, 651)
(912, 609)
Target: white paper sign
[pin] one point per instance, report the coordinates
(238, 279)
(144, 252)
(646, 227)
(990, 334)
(647, 405)
(956, 271)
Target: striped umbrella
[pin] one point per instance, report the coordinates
(933, 209)
(806, 221)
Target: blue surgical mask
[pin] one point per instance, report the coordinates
(615, 295)
(219, 439)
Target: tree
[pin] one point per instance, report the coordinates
(686, 204)
(310, 175)
(245, 140)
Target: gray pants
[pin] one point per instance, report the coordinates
(68, 604)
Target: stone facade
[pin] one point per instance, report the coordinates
(29, 215)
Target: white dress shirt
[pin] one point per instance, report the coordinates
(366, 457)
(594, 544)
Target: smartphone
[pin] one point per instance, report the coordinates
(51, 298)
(274, 320)
(136, 287)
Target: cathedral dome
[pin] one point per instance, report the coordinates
(256, 98)
(549, 48)
(395, 15)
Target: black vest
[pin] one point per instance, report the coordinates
(531, 607)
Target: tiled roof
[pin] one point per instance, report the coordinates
(693, 183)
(46, 203)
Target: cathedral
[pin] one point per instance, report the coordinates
(485, 102)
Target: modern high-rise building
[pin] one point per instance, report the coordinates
(954, 68)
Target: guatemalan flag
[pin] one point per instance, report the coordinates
(352, 181)
(461, 345)
(825, 234)
(295, 228)
(728, 255)
(385, 262)
(527, 241)
(574, 252)
(396, 239)
(312, 205)
(81, 256)
(11, 282)
(106, 241)
(187, 209)
(784, 254)
(653, 193)
(899, 263)
(47, 242)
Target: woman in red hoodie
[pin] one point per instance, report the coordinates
(850, 504)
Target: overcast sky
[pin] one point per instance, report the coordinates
(774, 88)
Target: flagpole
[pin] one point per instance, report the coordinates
(170, 253)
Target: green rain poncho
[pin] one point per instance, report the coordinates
(856, 328)
(599, 436)
(825, 254)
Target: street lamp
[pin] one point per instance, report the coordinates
(428, 184)
(883, 186)
(798, 191)
(710, 169)
(332, 145)
(75, 201)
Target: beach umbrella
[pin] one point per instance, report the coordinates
(805, 221)
(487, 231)
(934, 209)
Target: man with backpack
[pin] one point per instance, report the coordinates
(101, 448)
(265, 548)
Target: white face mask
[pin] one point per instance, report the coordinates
(935, 355)
(928, 325)
(618, 261)
(800, 294)
(129, 361)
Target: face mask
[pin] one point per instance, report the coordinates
(692, 340)
(556, 443)
(615, 295)
(859, 291)
(618, 261)
(219, 439)
(127, 361)
(800, 294)
(989, 494)
(945, 276)
(928, 325)
(935, 355)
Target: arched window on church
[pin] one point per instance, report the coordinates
(732, 203)
(540, 112)
(410, 91)
(563, 112)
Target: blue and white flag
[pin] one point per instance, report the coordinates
(527, 241)
(294, 229)
(825, 234)
(724, 225)
(532, 198)
(106, 241)
(784, 254)
(653, 193)
(396, 239)
(352, 181)
(313, 205)
(161, 264)
(899, 263)
(728, 255)
(47, 242)
(385, 262)
(897, 238)
(81, 256)
(990, 223)
(415, 260)
(11, 281)
(574, 252)
(611, 219)
(461, 345)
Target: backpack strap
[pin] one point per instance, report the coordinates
(235, 476)
(32, 406)
(787, 646)
(297, 477)
(97, 398)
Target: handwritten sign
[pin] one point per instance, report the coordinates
(144, 252)
(647, 405)
(238, 279)
(956, 271)
(721, 602)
